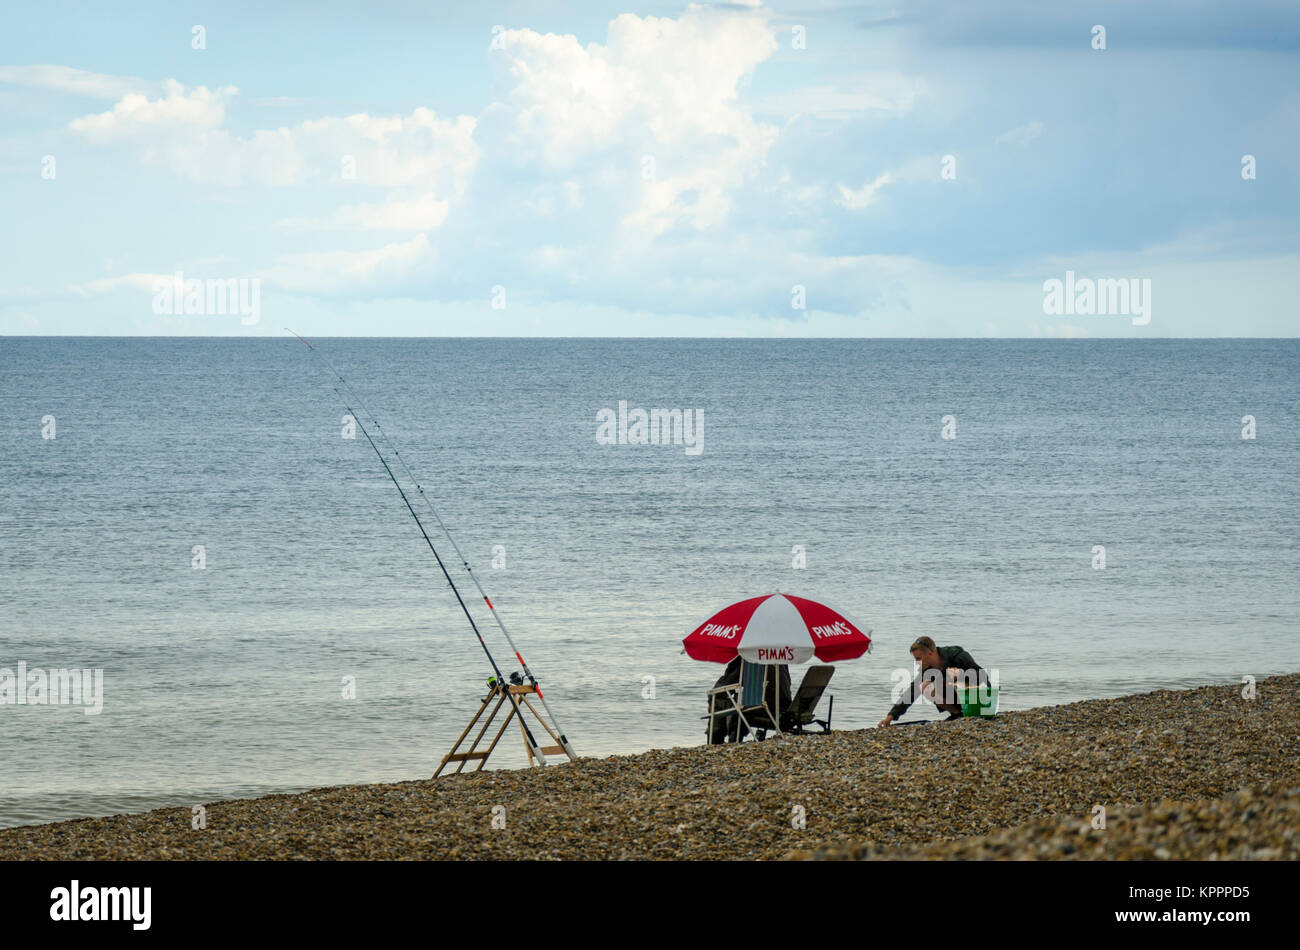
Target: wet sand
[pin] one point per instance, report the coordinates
(1169, 767)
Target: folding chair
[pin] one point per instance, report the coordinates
(744, 700)
(803, 706)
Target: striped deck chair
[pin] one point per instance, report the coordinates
(745, 701)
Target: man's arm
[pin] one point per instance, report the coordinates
(901, 706)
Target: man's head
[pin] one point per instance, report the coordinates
(926, 653)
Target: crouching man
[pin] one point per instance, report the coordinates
(946, 666)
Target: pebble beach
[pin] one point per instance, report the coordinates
(1200, 774)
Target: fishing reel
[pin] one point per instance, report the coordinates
(515, 680)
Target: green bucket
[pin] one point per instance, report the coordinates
(978, 700)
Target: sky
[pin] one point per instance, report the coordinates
(895, 169)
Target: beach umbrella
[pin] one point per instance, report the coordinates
(777, 629)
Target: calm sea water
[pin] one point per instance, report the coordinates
(227, 681)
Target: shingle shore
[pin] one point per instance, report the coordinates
(1253, 824)
(898, 792)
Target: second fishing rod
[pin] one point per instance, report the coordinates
(555, 722)
(392, 447)
(505, 684)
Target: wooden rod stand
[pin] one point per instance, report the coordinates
(474, 754)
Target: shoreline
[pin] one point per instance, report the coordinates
(1020, 785)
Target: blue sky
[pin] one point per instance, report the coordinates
(570, 169)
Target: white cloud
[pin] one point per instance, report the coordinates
(544, 190)
(1021, 134)
(76, 81)
(348, 271)
(856, 200)
(183, 130)
(661, 89)
(421, 213)
(177, 111)
(106, 285)
(310, 273)
(568, 136)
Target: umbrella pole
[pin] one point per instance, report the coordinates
(778, 702)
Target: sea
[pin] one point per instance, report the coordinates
(197, 521)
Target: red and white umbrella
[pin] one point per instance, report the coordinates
(777, 628)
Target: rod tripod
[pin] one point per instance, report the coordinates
(518, 695)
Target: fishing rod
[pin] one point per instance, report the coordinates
(505, 685)
(564, 741)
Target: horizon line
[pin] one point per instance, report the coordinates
(788, 339)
